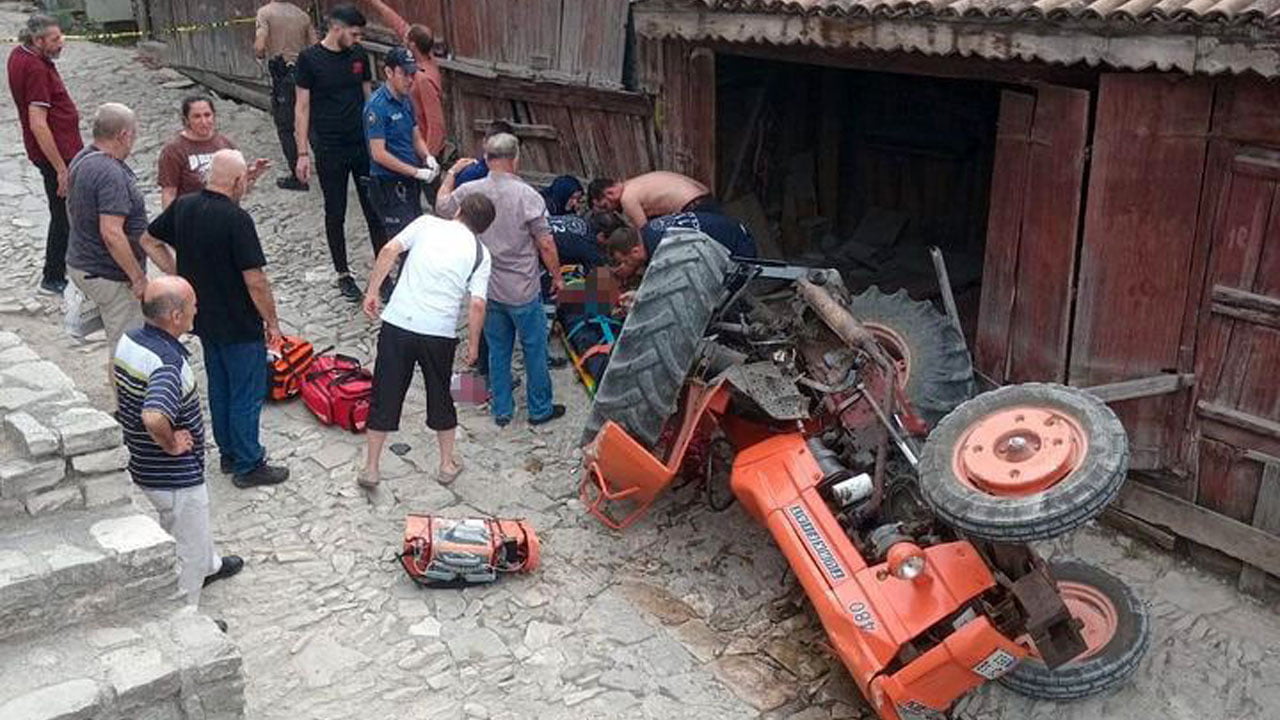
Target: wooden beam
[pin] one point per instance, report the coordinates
(1247, 306)
(1252, 545)
(259, 98)
(1142, 387)
(1242, 420)
(1243, 298)
(521, 130)
(1130, 525)
(549, 93)
(1257, 317)
(1266, 517)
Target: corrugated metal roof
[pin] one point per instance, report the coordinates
(1191, 36)
(1230, 11)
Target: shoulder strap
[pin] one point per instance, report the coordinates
(479, 258)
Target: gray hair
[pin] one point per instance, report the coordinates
(161, 304)
(111, 120)
(503, 146)
(36, 26)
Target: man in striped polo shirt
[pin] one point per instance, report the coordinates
(159, 409)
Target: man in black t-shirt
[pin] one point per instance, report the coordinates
(333, 79)
(220, 255)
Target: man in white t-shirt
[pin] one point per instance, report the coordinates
(446, 263)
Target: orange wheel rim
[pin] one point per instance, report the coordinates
(1100, 621)
(1019, 451)
(895, 346)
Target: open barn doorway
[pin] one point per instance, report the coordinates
(860, 170)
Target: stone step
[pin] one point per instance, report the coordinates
(56, 571)
(174, 665)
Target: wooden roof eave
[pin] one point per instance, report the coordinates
(1192, 48)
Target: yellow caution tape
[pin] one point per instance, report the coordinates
(176, 29)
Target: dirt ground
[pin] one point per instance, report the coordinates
(689, 614)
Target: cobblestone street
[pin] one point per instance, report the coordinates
(690, 614)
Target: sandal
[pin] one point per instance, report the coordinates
(445, 478)
(363, 480)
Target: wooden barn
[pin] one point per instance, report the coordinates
(1103, 178)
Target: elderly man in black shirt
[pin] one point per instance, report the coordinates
(220, 255)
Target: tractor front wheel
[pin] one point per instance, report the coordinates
(1116, 630)
(1024, 462)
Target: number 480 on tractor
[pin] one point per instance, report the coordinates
(848, 426)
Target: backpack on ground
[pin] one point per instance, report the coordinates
(338, 391)
(287, 363)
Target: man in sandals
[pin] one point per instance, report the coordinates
(446, 263)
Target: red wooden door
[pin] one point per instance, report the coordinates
(1031, 234)
(1237, 399)
(1139, 236)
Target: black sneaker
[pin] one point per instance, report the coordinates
(226, 464)
(52, 287)
(502, 421)
(290, 182)
(556, 412)
(231, 564)
(347, 286)
(264, 474)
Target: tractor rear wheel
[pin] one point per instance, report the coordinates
(933, 362)
(1116, 631)
(1024, 462)
(682, 287)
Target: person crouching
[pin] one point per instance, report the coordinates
(445, 263)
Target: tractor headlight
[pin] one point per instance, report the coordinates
(906, 561)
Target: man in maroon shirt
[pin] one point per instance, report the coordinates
(50, 131)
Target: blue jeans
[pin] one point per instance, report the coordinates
(501, 323)
(237, 375)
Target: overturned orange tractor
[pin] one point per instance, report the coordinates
(814, 406)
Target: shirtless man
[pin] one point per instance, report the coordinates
(650, 195)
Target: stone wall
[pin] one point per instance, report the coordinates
(56, 450)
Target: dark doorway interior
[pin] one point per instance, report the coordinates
(859, 170)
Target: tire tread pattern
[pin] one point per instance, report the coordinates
(682, 287)
(941, 370)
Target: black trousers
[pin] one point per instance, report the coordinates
(399, 350)
(283, 96)
(398, 201)
(334, 164)
(55, 244)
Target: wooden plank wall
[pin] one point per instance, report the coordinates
(682, 78)
(227, 51)
(587, 132)
(1139, 233)
(1023, 331)
(571, 41)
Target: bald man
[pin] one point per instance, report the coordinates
(219, 253)
(159, 409)
(650, 195)
(105, 258)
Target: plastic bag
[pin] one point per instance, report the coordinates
(82, 315)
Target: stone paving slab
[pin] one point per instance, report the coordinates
(688, 614)
(56, 571)
(154, 663)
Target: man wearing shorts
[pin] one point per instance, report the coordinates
(445, 263)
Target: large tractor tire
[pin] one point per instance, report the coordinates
(1024, 462)
(933, 362)
(682, 287)
(1116, 629)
